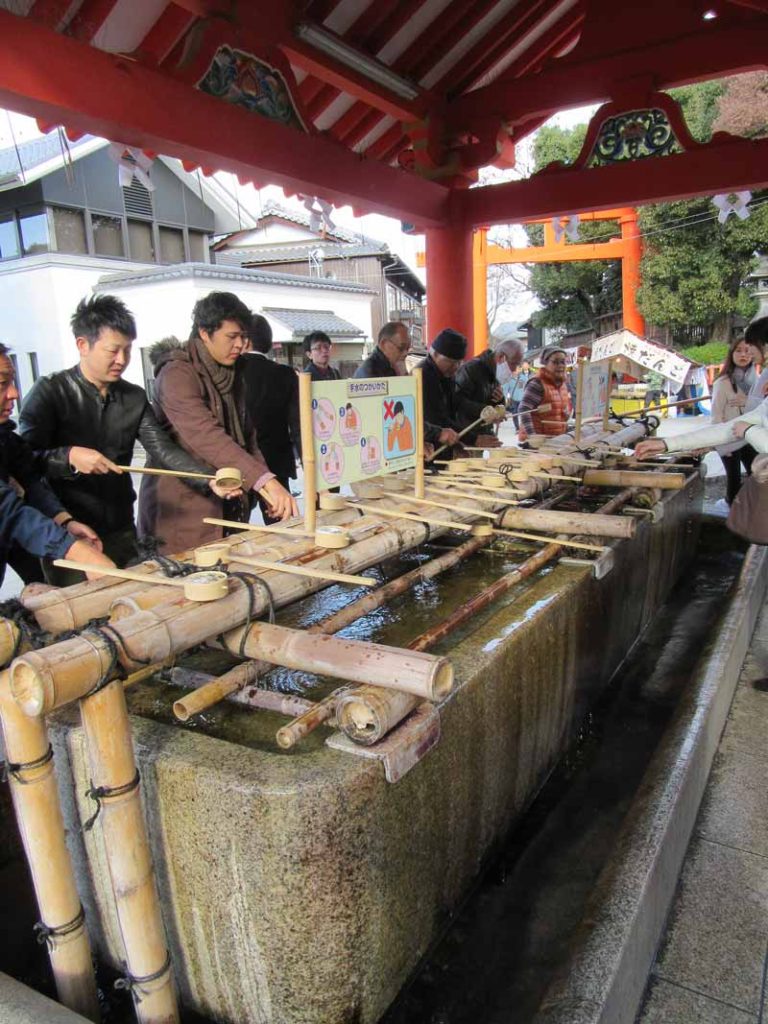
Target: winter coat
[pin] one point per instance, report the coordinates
(272, 397)
(475, 386)
(376, 365)
(440, 405)
(184, 405)
(27, 522)
(64, 410)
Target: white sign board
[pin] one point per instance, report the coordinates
(644, 353)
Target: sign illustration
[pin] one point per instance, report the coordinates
(363, 427)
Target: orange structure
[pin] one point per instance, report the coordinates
(628, 248)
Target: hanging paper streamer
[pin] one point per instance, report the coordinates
(319, 213)
(570, 229)
(138, 167)
(732, 202)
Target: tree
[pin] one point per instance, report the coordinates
(573, 296)
(694, 269)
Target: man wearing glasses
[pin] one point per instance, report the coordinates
(388, 358)
(317, 348)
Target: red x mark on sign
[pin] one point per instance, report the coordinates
(389, 410)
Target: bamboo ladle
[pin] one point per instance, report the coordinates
(228, 476)
(324, 536)
(488, 415)
(207, 585)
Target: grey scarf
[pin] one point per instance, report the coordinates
(219, 384)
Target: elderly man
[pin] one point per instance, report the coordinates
(445, 356)
(386, 360)
(480, 382)
(200, 398)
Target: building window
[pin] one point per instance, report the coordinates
(34, 232)
(69, 229)
(141, 242)
(198, 246)
(9, 239)
(34, 368)
(107, 235)
(171, 245)
(137, 199)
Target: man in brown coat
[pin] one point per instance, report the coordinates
(199, 396)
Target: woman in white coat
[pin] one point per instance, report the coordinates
(729, 401)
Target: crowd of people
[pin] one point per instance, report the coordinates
(219, 400)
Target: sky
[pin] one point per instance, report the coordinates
(18, 128)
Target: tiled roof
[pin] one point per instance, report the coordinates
(294, 253)
(304, 321)
(217, 272)
(34, 152)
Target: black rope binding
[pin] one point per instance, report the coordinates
(114, 644)
(250, 581)
(13, 769)
(26, 626)
(46, 934)
(133, 983)
(99, 793)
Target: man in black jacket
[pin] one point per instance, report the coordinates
(479, 383)
(67, 413)
(441, 413)
(272, 398)
(36, 525)
(317, 349)
(393, 345)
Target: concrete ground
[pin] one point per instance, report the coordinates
(712, 962)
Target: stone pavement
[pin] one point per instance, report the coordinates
(711, 966)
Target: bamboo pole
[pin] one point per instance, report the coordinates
(531, 565)
(590, 524)
(419, 469)
(633, 478)
(367, 713)
(216, 690)
(520, 535)
(231, 524)
(487, 415)
(38, 812)
(487, 498)
(445, 505)
(298, 570)
(44, 680)
(308, 452)
(250, 696)
(115, 779)
(289, 735)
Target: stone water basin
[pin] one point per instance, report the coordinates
(302, 887)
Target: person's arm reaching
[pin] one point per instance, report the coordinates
(710, 437)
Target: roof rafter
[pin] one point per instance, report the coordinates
(108, 95)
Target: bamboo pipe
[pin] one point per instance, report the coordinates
(531, 565)
(590, 524)
(298, 570)
(113, 768)
(429, 520)
(445, 505)
(308, 451)
(38, 812)
(367, 713)
(44, 680)
(206, 585)
(475, 497)
(289, 735)
(418, 479)
(518, 534)
(250, 696)
(216, 690)
(468, 479)
(633, 478)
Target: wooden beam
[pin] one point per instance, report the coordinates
(573, 82)
(717, 167)
(61, 81)
(611, 250)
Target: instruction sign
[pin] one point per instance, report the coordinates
(362, 428)
(593, 393)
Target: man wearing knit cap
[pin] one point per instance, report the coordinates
(446, 354)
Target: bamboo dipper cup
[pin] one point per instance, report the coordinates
(199, 586)
(229, 476)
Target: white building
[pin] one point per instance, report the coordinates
(68, 228)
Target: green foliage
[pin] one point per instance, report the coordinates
(694, 269)
(712, 352)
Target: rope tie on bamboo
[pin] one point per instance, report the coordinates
(173, 568)
(114, 644)
(133, 983)
(13, 769)
(26, 626)
(46, 934)
(249, 580)
(100, 793)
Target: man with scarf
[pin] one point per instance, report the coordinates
(200, 398)
(480, 382)
(441, 413)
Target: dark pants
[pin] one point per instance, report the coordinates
(733, 463)
(120, 546)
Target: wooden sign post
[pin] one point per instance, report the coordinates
(419, 468)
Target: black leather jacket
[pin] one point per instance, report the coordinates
(64, 410)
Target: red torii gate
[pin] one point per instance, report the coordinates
(394, 107)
